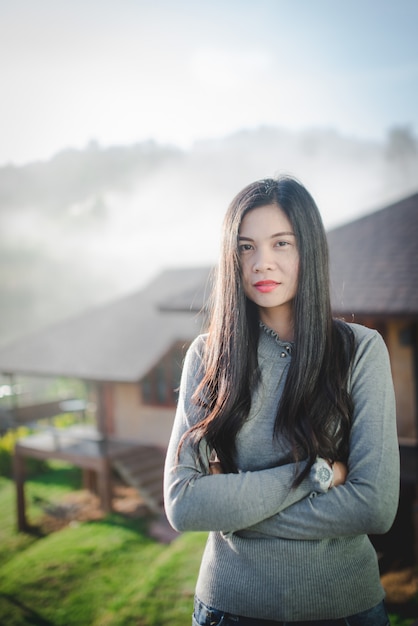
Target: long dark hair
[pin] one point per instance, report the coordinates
(315, 409)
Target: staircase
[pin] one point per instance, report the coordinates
(143, 469)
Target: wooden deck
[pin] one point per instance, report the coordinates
(82, 446)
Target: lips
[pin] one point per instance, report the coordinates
(265, 286)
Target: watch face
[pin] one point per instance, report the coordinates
(324, 474)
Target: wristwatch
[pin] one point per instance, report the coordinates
(323, 474)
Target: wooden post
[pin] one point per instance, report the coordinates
(19, 474)
(104, 484)
(105, 413)
(90, 480)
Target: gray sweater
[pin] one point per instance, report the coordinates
(277, 552)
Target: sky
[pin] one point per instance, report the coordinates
(124, 71)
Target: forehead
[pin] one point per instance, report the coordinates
(266, 220)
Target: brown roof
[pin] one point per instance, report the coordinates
(374, 262)
(120, 341)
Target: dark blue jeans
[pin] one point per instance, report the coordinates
(207, 616)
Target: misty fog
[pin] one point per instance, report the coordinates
(91, 225)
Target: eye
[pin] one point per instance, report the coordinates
(282, 244)
(245, 247)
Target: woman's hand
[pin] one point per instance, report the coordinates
(215, 467)
(340, 473)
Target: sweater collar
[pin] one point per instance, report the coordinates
(287, 345)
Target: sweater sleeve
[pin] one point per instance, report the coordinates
(197, 500)
(367, 502)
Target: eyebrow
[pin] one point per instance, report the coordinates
(241, 237)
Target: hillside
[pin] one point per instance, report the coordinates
(53, 218)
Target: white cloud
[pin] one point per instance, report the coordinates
(128, 71)
(229, 69)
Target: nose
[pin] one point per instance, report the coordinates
(263, 261)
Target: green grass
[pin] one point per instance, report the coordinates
(101, 573)
(107, 572)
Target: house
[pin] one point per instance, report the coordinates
(374, 281)
(129, 352)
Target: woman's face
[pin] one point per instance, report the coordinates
(269, 261)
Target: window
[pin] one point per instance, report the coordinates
(160, 386)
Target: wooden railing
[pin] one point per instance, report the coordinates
(46, 410)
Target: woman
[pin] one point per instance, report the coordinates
(284, 444)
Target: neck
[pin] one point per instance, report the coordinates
(279, 321)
